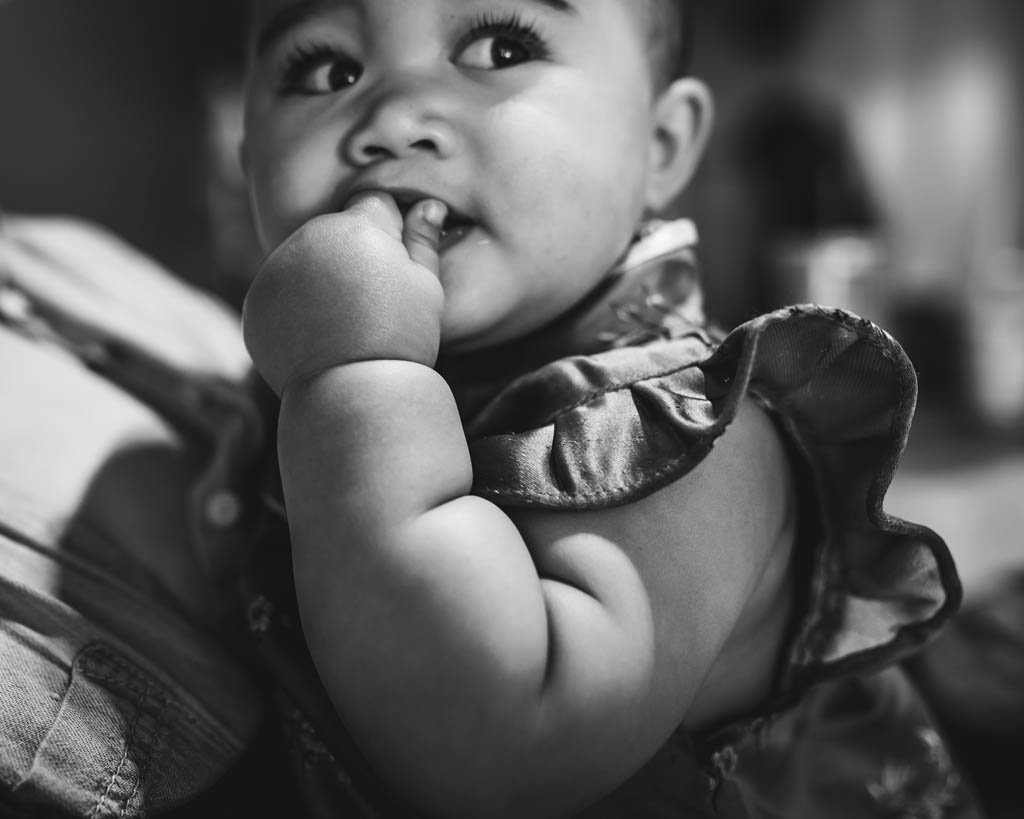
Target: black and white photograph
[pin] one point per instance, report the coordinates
(511, 409)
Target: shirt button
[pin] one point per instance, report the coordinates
(223, 509)
(14, 305)
(261, 615)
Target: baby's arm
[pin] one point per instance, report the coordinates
(486, 667)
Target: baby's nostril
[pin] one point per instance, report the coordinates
(376, 152)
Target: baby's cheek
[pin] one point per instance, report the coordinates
(567, 204)
(292, 184)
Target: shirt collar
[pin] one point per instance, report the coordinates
(653, 292)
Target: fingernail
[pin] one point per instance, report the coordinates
(434, 212)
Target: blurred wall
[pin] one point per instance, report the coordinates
(102, 115)
(928, 93)
(868, 154)
(933, 94)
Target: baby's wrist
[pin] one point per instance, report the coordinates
(317, 371)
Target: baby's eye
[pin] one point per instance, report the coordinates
(495, 52)
(318, 70)
(499, 42)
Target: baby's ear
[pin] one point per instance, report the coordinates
(682, 118)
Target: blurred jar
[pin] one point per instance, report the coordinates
(840, 268)
(995, 332)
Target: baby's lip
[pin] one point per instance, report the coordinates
(405, 198)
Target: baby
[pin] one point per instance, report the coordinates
(543, 526)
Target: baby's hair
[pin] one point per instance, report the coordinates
(671, 24)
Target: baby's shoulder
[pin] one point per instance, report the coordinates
(806, 408)
(700, 510)
(599, 430)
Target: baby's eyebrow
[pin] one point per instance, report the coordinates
(287, 18)
(294, 13)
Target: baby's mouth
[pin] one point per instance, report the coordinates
(456, 225)
(455, 228)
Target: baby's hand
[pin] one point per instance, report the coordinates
(351, 286)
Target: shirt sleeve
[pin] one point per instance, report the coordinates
(604, 430)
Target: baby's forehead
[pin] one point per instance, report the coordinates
(258, 9)
(268, 15)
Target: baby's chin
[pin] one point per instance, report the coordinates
(475, 335)
(495, 295)
(469, 330)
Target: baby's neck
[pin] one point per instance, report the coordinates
(650, 294)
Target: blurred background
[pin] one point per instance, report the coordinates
(867, 155)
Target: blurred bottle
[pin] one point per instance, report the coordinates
(839, 268)
(995, 331)
(817, 237)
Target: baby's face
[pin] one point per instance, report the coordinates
(531, 119)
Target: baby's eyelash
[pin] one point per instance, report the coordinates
(300, 59)
(511, 24)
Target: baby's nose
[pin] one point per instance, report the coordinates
(405, 120)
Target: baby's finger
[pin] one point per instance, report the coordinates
(378, 208)
(422, 232)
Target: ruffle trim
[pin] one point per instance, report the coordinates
(608, 429)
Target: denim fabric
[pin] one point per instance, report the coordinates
(126, 432)
(90, 728)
